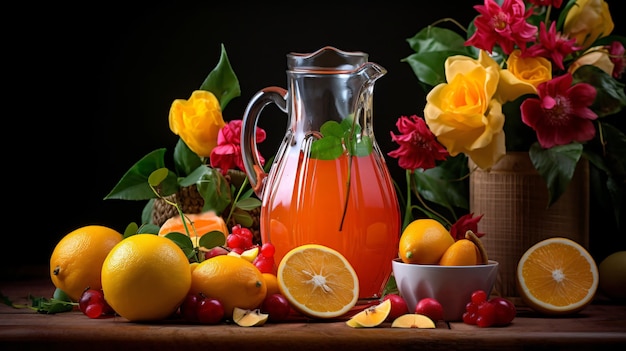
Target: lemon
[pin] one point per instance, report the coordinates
(76, 262)
(146, 277)
(612, 271)
(424, 241)
(234, 281)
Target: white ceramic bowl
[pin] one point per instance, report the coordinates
(452, 286)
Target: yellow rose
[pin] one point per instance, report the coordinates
(596, 56)
(197, 121)
(588, 21)
(464, 113)
(523, 75)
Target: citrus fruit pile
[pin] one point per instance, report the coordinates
(426, 241)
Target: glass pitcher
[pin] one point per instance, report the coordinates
(328, 183)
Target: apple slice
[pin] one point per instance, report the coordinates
(371, 316)
(413, 320)
(249, 318)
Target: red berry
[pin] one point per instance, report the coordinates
(189, 307)
(398, 306)
(479, 296)
(486, 315)
(430, 307)
(210, 311)
(504, 311)
(276, 306)
(470, 318)
(268, 250)
(234, 241)
(93, 304)
(265, 264)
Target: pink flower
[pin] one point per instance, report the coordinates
(552, 45)
(616, 53)
(227, 154)
(505, 26)
(561, 114)
(418, 146)
(465, 223)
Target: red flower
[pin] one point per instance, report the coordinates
(552, 45)
(553, 3)
(418, 146)
(561, 114)
(227, 154)
(505, 26)
(616, 52)
(465, 223)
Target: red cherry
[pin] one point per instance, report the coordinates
(478, 297)
(189, 307)
(398, 306)
(276, 306)
(430, 307)
(210, 311)
(504, 311)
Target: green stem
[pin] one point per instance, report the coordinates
(232, 208)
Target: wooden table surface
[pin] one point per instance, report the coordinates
(600, 325)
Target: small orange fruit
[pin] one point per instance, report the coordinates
(462, 253)
(557, 276)
(272, 283)
(76, 262)
(145, 277)
(424, 241)
(318, 281)
(235, 282)
(198, 224)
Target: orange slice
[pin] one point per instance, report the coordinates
(198, 224)
(318, 281)
(557, 276)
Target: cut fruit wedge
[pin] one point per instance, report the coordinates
(250, 254)
(371, 316)
(318, 281)
(249, 318)
(413, 320)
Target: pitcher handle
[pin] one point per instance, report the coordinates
(249, 152)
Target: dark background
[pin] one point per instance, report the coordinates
(89, 90)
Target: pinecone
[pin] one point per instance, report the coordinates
(189, 199)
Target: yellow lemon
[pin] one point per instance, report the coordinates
(76, 262)
(233, 281)
(424, 241)
(146, 277)
(612, 272)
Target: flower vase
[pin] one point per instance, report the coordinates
(513, 197)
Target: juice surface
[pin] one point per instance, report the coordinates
(307, 206)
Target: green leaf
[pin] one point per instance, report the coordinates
(445, 184)
(148, 228)
(332, 128)
(249, 204)
(243, 218)
(362, 146)
(134, 184)
(158, 176)
(212, 186)
(610, 96)
(185, 160)
(432, 46)
(556, 165)
(212, 239)
(222, 81)
(131, 229)
(184, 242)
(327, 148)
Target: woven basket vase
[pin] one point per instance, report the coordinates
(513, 198)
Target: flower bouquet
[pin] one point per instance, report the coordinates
(207, 162)
(521, 77)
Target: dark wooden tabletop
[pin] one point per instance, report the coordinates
(599, 326)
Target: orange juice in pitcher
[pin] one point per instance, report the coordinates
(329, 183)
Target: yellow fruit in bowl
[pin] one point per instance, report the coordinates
(146, 277)
(76, 261)
(462, 253)
(612, 272)
(234, 281)
(424, 241)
